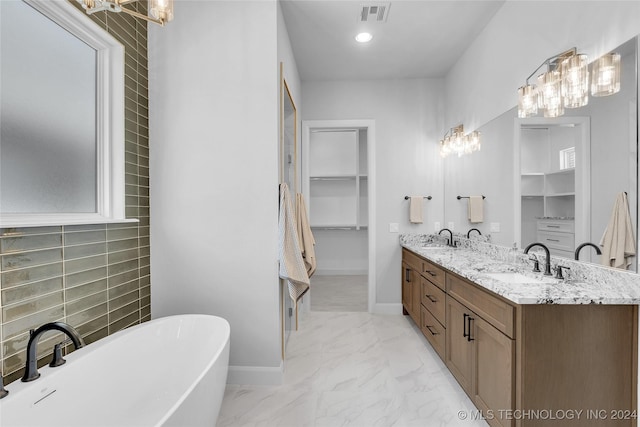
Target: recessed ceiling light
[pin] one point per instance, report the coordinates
(364, 37)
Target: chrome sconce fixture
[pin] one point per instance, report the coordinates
(565, 84)
(455, 141)
(160, 11)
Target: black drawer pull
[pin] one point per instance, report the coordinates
(431, 330)
(431, 298)
(469, 319)
(553, 226)
(464, 326)
(431, 273)
(553, 240)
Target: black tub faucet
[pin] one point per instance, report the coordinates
(31, 367)
(547, 263)
(450, 239)
(579, 248)
(473, 229)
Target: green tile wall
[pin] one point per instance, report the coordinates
(94, 277)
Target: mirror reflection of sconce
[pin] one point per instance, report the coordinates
(160, 11)
(565, 84)
(455, 141)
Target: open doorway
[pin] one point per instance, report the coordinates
(337, 184)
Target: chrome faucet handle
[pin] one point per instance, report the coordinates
(536, 263)
(558, 271)
(3, 392)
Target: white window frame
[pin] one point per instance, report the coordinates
(110, 195)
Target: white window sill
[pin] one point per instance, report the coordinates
(43, 220)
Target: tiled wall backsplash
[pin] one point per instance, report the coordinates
(94, 277)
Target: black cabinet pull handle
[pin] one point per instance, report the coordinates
(464, 326)
(407, 275)
(431, 298)
(553, 240)
(431, 273)
(431, 330)
(469, 319)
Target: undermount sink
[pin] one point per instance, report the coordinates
(434, 248)
(510, 277)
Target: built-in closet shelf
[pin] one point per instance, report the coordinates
(339, 227)
(332, 178)
(554, 190)
(570, 194)
(337, 180)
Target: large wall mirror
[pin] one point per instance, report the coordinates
(61, 117)
(564, 173)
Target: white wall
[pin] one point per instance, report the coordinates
(213, 76)
(522, 34)
(406, 114)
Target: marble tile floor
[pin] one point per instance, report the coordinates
(338, 293)
(354, 369)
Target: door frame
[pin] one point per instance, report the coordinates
(370, 126)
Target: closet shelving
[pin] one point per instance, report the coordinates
(337, 180)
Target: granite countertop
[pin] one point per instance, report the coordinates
(585, 283)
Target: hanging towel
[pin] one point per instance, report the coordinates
(475, 209)
(618, 241)
(292, 267)
(415, 209)
(305, 236)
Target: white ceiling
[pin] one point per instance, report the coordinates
(420, 39)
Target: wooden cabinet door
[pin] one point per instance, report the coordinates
(493, 371)
(407, 289)
(459, 348)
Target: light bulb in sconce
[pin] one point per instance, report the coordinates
(527, 101)
(606, 75)
(575, 81)
(550, 93)
(161, 9)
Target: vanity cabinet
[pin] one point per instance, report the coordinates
(520, 364)
(478, 352)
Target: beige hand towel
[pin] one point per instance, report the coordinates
(292, 267)
(618, 241)
(475, 209)
(305, 236)
(415, 209)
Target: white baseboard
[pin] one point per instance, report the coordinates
(387, 308)
(255, 375)
(337, 272)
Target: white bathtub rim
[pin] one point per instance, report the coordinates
(49, 374)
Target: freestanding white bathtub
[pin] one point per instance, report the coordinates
(170, 371)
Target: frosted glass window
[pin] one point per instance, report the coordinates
(48, 152)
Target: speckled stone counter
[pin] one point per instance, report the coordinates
(584, 283)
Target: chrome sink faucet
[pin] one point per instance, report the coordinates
(31, 367)
(450, 239)
(547, 263)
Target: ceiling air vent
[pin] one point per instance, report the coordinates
(375, 13)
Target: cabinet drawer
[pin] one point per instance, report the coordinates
(414, 261)
(433, 331)
(433, 298)
(556, 240)
(434, 273)
(492, 309)
(550, 225)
